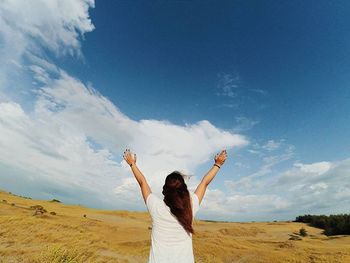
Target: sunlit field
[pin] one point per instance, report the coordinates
(79, 234)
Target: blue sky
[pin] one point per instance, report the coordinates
(146, 56)
(176, 81)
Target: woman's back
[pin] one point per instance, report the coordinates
(172, 219)
(169, 240)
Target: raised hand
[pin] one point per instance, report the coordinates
(220, 158)
(129, 157)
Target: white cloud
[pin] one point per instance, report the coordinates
(243, 123)
(303, 188)
(220, 205)
(270, 161)
(71, 141)
(56, 25)
(272, 145)
(318, 168)
(31, 27)
(228, 84)
(272, 149)
(54, 140)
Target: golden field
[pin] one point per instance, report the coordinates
(124, 236)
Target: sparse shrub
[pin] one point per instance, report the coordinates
(84, 215)
(295, 237)
(38, 213)
(26, 197)
(149, 228)
(3, 200)
(39, 210)
(13, 204)
(59, 254)
(53, 213)
(287, 244)
(38, 207)
(302, 232)
(55, 200)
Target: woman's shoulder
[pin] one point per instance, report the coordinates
(154, 197)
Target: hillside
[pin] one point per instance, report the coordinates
(124, 236)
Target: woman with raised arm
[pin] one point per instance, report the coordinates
(172, 217)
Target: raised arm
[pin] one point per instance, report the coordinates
(131, 160)
(202, 187)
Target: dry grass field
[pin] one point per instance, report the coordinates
(124, 236)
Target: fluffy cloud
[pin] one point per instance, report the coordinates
(272, 145)
(56, 25)
(304, 188)
(68, 141)
(220, 205)
(76, 136)
(318, 168)
(30, 28)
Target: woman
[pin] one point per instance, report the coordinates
(172, 217)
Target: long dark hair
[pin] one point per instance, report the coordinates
(177, 198)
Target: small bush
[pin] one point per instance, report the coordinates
(59, 254)
(55, 200)
(39, 210)
(302, 232)
(13, 204)
(26, 197)
(37, 207)
(3, 200)
(295, 237)
(53, 213)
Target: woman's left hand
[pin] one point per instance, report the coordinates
(129, 157)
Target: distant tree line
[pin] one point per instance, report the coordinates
(332, 224)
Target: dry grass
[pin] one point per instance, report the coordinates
(124, 236)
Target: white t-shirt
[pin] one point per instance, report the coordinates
(170, 241)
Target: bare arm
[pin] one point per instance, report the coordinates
(203, 185)
(140, 178)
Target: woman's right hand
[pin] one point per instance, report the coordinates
(129, 157)
(220, 158)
